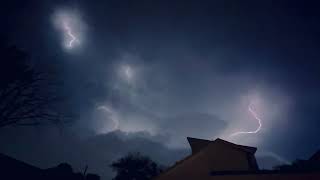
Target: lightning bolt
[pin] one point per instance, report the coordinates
(73, 38)
(273, 155)
(108, 110)
(254, 114)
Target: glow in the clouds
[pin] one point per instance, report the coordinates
(127, 73)
(70, 25)
(254, 114)
(112, 116)
(70, 34)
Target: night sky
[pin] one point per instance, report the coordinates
(143, 75)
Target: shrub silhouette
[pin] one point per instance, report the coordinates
(135, 166)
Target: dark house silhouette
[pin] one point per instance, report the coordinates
(222, 160)
(315, 157)
(12, 169)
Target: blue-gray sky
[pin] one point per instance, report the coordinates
(158, 71)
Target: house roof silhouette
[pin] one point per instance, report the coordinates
(15, 169)
(217, 154)
(315, 156)
(198, 144)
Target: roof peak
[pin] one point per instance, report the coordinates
(198, 144)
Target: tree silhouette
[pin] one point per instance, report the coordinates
(27, 97)
(64, 171)
(135, 166)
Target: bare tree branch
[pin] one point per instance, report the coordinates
(27, 97)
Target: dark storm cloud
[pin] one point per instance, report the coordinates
(193, 62)
(203, 125)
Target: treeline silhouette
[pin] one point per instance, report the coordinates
(131, 166)
(13, 169)
(65, 172)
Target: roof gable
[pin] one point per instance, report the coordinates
(315, 156)
(197, 144)
(247, 149)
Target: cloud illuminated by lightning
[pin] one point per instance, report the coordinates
(113, 119)
(71, 25)
(254, 114)
(127, 72)
(69, 33)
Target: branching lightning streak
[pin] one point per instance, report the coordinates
(254, 114)
(70, 34)
(108, 110)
